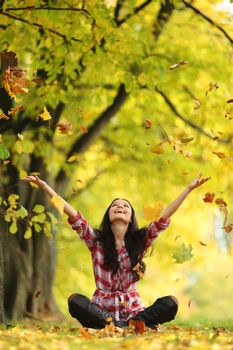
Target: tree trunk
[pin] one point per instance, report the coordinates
(2, 313)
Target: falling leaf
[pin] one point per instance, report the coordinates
(147, 124)
(230, 101)
(186, 139)
(20, 137)
(221, 202)
(38, 293)
(220, 154)
(202, 243)
(45, 114)
(197, 104)
(183, 253)
(189, 303)
(159, 149)
(228, 228)
(178, 236)
(4, 116)
(153, 213)
(211, 87)
(6, 162)
(58, 203)
(72, 159)
(16, 109)
(64, 127)
(83, 129)
(14, 81)
(176, 65)
(209, 197)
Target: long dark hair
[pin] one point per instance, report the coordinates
(134, 243)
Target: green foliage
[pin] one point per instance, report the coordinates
(183, 253)
(4, 152)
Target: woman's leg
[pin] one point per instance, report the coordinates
(86, 312)
(163, 310)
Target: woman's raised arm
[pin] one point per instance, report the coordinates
(44, 186)
(172, 208)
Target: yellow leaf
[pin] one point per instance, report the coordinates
(28, 233)
(159, 149)
(153, 213)
(58, 203)
(22, 174)
(72, 159)
(45, 115)
(20, 137)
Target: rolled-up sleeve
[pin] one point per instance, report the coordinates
(85, 232)
(154, 229)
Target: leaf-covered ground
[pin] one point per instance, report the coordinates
(43, 336)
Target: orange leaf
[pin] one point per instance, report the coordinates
(153, 213)
(220, 154)
(209, 197)
(147, 124)
(4, 116)
(64, 127)
(15, 109)
(83, 129)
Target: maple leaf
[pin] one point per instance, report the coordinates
(58, 203)
(14, 81)
(209, 197)
(64, 127)
(45, 114)
(177, 65)
(153, 213)
(183, 253)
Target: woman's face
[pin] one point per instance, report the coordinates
(120, 210)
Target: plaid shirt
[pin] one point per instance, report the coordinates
(115, 293)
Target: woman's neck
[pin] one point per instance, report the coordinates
(119, 230)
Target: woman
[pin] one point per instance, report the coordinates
(117, 250)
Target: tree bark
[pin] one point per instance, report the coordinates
(2, 312)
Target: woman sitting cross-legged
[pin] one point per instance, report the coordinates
(117, 249)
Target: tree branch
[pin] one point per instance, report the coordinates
(135, 11)
(55, 32)
(208, 19)
(164, 14)
(187, 121)
(83, 142)
(34, 8)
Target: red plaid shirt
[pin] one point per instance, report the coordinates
(115, 293)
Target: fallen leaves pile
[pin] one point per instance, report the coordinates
(44, 336)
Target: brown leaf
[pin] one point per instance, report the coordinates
(4, 116)
(83, 129)
(230, 101)
(189, 303)
(228, 228)
(64, 127)
(209, 197)
(178, 236)
(14, 81)
(38, 293)
(177, 65)
(147, 124)
(202, 243)
(220, 154)
(14, 110)
(8, 59)
(221, 202)
(211, 87)
(197, 104)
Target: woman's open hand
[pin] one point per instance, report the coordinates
(197, 182)
(34, 179)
